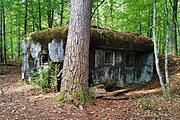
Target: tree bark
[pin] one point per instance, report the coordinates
(97, 16)
(25, 17)
(156, 49)
(98, 5)
(140, 24)
(39, 13)
(4, 33)
(111, 13)
(33, 16)
(50, 13)
(11, 40)
(18, 39)
(174, 29)
(150, 21)
(74, 85)
(1, 41)
(168, 89)
(62, 11)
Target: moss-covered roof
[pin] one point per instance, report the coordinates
(100, 38)
(103, 38)
(47, 35)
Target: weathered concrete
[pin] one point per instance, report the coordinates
(117, 74)
(56, 50)
(111, 61)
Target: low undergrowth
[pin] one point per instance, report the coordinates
(45, 77)
(146, 103)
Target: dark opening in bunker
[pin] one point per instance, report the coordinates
(108, 55)
(130, 59)
(44, 58)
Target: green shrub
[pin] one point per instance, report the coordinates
(45, 77)
(54, 68)
(178, 80)
(40, 77)
(146, 103)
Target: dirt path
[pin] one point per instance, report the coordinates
(22, 102)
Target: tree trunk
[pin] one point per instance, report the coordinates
(97, 17)
(33, 16)
(4, 33)
(25, 17)
(1, 41)
(18, 39)
(174, 29)
(11, 39)
(62, 10)
(156, 49)
(150, 21)
(168, 89)
(98, 5)
(105, 14)
(159, 42)
(74, 86)
(39, 13)
(111, 13)
(50, 13)
(140, 24)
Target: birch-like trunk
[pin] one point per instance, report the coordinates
(168, 89)
(74, 85)
(156, 49)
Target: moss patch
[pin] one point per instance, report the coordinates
(103, 38)
(77, 98)
(100, 38)
(47, 35)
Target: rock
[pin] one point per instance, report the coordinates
(81, 107)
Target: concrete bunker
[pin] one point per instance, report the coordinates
(116, 59)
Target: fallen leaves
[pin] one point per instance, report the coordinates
(25, 102)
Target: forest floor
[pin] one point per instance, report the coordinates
(18, 101)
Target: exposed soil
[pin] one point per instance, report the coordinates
(20, 101)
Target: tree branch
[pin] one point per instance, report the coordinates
(174, 16)
(97, 8)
